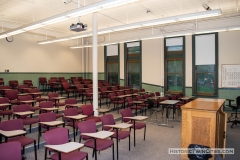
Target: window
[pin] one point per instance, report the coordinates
(174, 54)
(205, 63)
(112, 64)
(133, 69)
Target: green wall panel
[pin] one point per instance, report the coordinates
(151, 87)
(122, 83)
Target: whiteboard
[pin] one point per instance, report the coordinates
(231, 75)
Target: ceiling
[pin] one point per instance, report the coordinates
(15, 13)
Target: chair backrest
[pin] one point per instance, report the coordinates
(22, 108)
(28, 82)
(87, 127)
(107, 120)
(127, 92)
(11, 94)
(152, 95)
(10, 125)
(120, 93)
(126, 113)
(129, 99)
(87, 110)
(11, 151)
(56, 136)
(142, 90)
(47, 104)
(47, 117)
(42, 80)
(173, 97)
(71, 101)
(146, 96)
(3, 100)
(157, 93)
(13, 83)
(71, 112)
(34, 90)
(51, 95)
(25, 98)
(65, 85)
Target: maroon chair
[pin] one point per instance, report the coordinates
(45, 117)
(53, 85)
(11, 151)
(67, 88)
(53, 137)
(138, 125)
(88, 111)
(115, 101)
(26, 120)
(29, 83)
(104, 94)
(109, 120)
(1, 81)
(48, 104)
(12, 95)
(37, 97)
(2, 92)
(101, 144)
(27, 98)
(17, 124)
(58, 103)
(72, 101)
(3, 109)
(43, 83)
(13, 84)
(157, 94)
(71, 112)
(20, 88)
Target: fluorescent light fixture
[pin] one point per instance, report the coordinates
(45, 42)
(178, 34)
(234, 28)
(154, 22)
(198, 15)
(152, 37)
(64, 16)
(210, 31)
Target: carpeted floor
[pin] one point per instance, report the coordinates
(158, 140)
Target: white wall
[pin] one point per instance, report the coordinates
(229, 50)
(25, 55)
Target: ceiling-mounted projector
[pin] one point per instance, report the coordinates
(78, 27)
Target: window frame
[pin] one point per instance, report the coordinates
(171, 56)
(194, 69)
(111, 59)
(131, 58)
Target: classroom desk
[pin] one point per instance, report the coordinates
(8, 134)
(65, 148)
(23, 113)
(136, 118)
(73, 118)
(169, 103)
(75, 105)
(36, 93)
(103, 110)
(98, 135)
(117, 127)
(29, 101)
(56, 99)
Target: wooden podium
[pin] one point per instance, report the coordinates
(204, 123)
